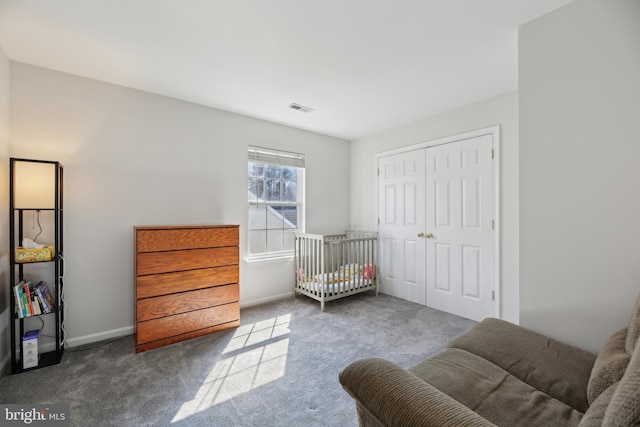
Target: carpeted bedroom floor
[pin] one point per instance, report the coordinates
(279, 368)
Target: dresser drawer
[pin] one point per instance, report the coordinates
(186, 336)
(167, 305)
(169, 283)
(166, 327)
(164, 262)
(157, 240)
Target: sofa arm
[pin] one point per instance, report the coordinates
(393, 396)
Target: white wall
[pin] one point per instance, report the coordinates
(501, 110)
(4, 208)
(134, 158)
(579, 175)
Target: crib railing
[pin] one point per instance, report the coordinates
(337, 265)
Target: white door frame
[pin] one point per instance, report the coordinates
(494, 131)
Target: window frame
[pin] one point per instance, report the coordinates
(283, 159)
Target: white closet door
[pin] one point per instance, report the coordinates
(460, 236)
(401, 213)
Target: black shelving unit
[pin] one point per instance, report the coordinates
(21, 270)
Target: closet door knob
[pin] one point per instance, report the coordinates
(429, 236)
(421, 234)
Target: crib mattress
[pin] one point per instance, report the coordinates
(337, 287)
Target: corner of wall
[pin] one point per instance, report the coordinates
(4, 207)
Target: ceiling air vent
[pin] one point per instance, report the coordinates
(299, 107)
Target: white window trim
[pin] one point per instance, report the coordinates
(280, 158)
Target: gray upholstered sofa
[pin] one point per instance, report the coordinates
(497, 373)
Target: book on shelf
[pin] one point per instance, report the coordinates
(46, 308)
(46, 299)
(18, 298)
(46, 296)
(27, 301)
(32, 300)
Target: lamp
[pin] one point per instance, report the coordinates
(34, 185)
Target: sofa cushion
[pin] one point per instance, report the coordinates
(595, 414)
(633, 331)
(624, 409)
(609, 366)
(388, 395)
(557, 369)
(489, 390)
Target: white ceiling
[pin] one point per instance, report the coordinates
(362, 65)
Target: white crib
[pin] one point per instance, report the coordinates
(328, 267)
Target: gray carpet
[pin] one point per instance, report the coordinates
(280, 368)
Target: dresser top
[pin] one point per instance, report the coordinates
(171, 227)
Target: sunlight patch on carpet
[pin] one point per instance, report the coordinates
(257, 355)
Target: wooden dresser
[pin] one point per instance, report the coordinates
(187, 282)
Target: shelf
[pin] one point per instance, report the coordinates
(35, 209)
(16, 317)
(49, 358)
(36, 262)
(36, 183)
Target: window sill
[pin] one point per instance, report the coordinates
(285, 257)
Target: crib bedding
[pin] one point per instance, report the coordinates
(344, 273)
(335, 287)
(347, 277)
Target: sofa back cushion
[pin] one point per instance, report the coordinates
(609, 366)
(550, 366)
(624, 408)
(633, 331)
(595, 414)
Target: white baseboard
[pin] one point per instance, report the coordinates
(259, 301)
(101, 336)
(50, 345)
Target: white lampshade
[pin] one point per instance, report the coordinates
(34, 185)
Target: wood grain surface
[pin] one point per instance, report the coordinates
(176, 238)
(170, 261)
(187, 282)
(167, 305)
(169, 283)
(186, 336)
(165, 327)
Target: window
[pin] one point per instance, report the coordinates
(276, 201)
